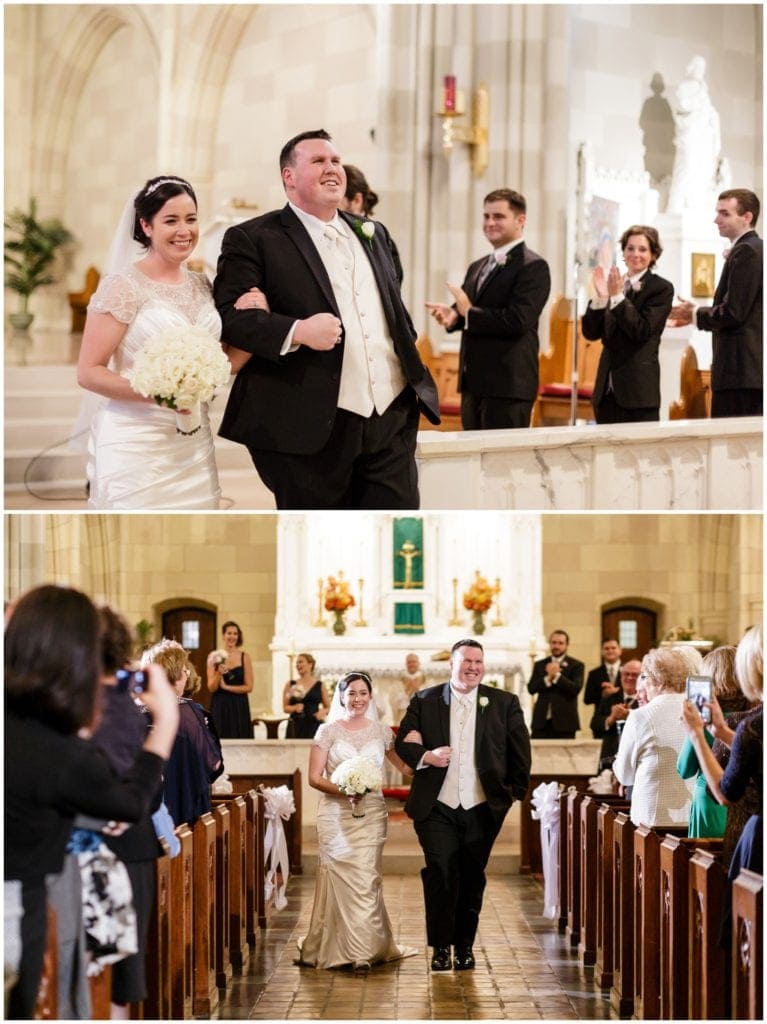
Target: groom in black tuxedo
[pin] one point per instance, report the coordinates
(328, 403)
(470, 750)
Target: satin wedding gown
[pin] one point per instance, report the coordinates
(349, 923)
(136, 459)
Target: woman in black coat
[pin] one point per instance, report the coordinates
(628, 315)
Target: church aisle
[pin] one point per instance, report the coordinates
(525, 970)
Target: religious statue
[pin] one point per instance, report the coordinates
(698, 164)
(657, 123)
(408, 552)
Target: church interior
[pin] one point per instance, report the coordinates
(692, 576)
(576, 111)
(648, 533)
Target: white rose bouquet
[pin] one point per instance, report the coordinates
(355, 777)
(180, 368)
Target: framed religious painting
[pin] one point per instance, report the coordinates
(702, 274)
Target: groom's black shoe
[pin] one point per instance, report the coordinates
(464, 958)
(440, 960)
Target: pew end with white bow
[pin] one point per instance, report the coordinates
(545, 808)
(279, 805)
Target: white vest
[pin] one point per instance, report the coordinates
(371, 373)
(461, 785)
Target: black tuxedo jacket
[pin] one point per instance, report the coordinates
(562, 696)
(593, 691)
(735, 319)
(499, 344)
(288, 403)
(630, 336)
(501, 747)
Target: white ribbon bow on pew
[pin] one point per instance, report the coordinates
(545, 808)
(279, 805)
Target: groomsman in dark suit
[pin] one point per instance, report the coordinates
(604, 680)
(497, 308)
(470, 749)
(735, 318)
(328, 402)
(557, 681)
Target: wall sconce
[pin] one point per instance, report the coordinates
(476, 135)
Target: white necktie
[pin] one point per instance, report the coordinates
(338, 247)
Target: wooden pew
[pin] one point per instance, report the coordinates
(100, 988)
(694, 400)
(157, 1005)
(239, 949)
(530, 861)
(552, 406)
(747, 946)
(706, 958)
(675, 853)
(603, 964)
(47, 1004)
(78, 301)
(564, 846)
(591, 899)
(205, 999)
(444, 369)
(647, 917)
(182, 927)
(242, 782)
(573, 892)
(622, 990)
(223, 854)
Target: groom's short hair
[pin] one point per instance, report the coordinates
(465, 643)
(286, 154)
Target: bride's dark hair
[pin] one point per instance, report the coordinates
(153, 196)
(349, 678)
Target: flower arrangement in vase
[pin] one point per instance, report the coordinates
(337, 600)
(478, 599)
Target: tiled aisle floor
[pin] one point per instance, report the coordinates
(525, 971)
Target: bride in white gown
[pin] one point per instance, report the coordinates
(137, 460)
(349, 924)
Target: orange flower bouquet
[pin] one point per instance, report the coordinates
(478, 599)
(337, 600)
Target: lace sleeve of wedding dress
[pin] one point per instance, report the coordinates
(323, 738)
(388, 736)
(116, 294)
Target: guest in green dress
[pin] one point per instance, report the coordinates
(708, 818)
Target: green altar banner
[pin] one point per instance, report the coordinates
(407, 547)
(408, 617)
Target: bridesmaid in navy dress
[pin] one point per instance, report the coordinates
(230, 682)
(302, 699)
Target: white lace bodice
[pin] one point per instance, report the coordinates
(149, 307)
(342, 743)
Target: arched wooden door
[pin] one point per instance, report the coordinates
(633, 627)
(195, 629)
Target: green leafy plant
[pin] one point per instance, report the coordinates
(30, 250)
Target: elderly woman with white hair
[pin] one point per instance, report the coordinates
(650, 743)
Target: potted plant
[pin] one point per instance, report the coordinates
(29, 253)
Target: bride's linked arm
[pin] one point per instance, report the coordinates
(394, 758)
(102, 334)
(253, 299)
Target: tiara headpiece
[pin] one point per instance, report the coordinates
(166, 181)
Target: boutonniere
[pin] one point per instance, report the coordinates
(365, 229)
(483, 702)
(636, 286)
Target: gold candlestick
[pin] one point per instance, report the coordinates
(532, 652)
(455, 621)
(361, 620)
(497, 621)
(319, 621)
(291, 656)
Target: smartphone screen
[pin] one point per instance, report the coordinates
(699, 690)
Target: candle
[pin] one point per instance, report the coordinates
(449, 92)
(291, 645)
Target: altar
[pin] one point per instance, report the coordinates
(409, 577)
